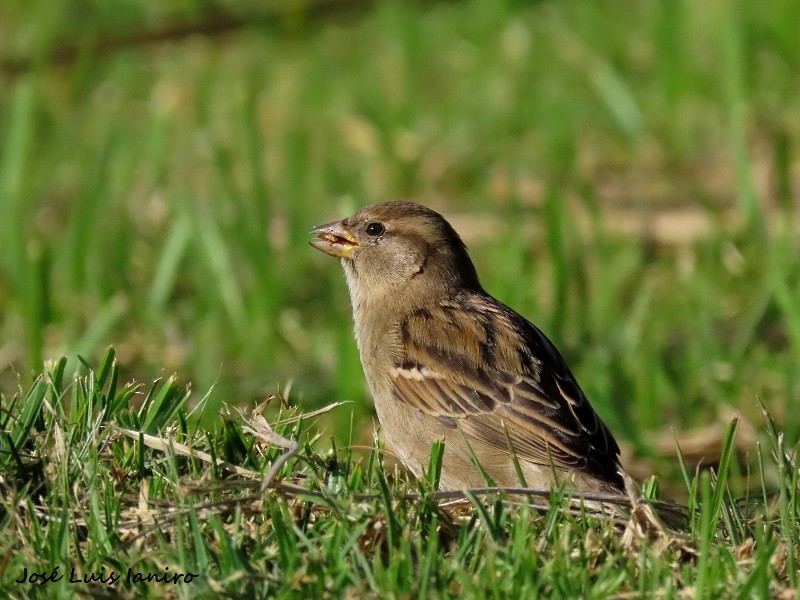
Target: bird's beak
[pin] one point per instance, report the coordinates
(334, 239)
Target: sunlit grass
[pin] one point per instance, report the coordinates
(109, 478)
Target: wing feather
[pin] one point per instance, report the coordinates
(501, 379)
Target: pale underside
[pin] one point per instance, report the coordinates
(403, 428)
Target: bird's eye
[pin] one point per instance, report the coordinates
(375, 229)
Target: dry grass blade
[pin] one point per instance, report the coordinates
(259, 427)
(166, 445)
(309, 415)
(647, 524)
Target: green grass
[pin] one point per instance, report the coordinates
(90, 487)
(629, 184)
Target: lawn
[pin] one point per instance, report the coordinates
(626, 175)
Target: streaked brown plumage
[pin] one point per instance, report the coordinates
(444, 360)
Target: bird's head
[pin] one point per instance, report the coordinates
(398, 249)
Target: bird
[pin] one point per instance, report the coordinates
(446, 361)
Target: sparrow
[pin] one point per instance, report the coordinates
(446, 361)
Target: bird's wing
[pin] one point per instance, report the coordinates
(477, 365)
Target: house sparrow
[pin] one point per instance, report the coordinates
(446, 361)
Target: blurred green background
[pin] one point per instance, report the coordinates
(625, 174)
